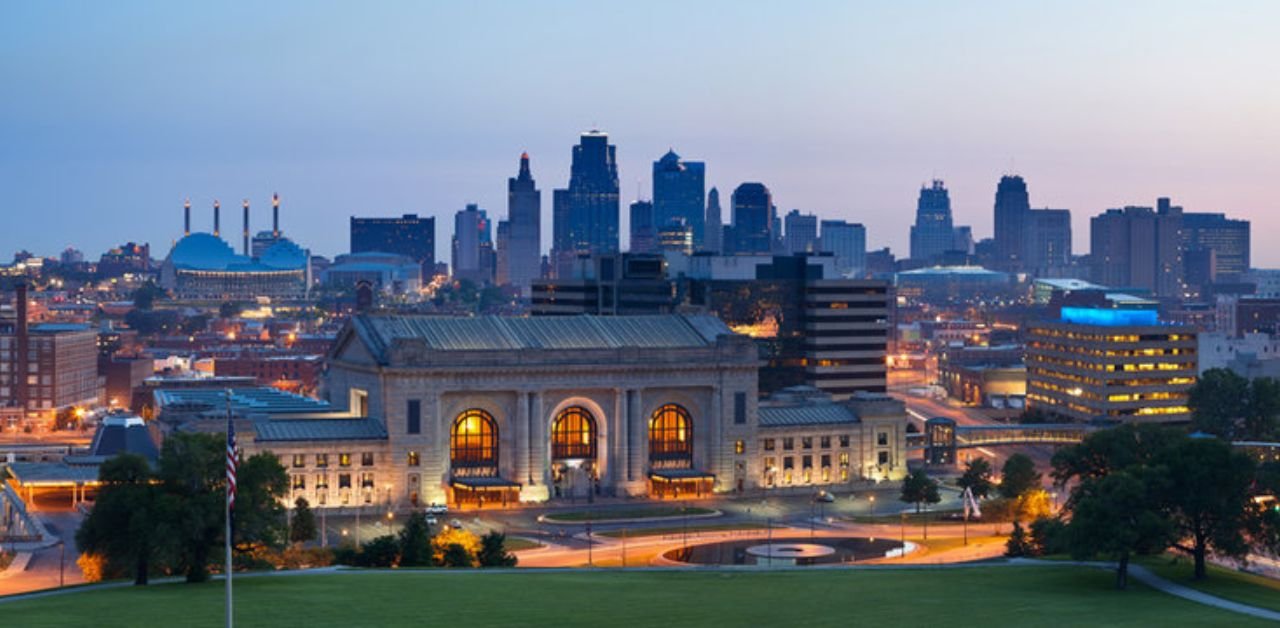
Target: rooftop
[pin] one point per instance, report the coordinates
(285, 430)
(244, 401)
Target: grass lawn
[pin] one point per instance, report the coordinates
(516, 544)
(706, 527)
(1009, 596)
(1225, 583)
(642, 512)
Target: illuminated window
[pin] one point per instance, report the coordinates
(739, 446)
(573, 435)
(671, 435)
(299, 482)
(414, 459)
(322, 460)
(344, 460)
(299, 461)
(473, 444)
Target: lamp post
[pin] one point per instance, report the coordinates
(62, 563)
(902, 518)
(873, 505)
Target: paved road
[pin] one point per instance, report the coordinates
(49, 567)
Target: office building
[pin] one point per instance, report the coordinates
(47, 368)
(644, 233)
(386, 272)
(933, 233)
(848, 243)
(713, 238)
(586, 213)
(800, 232)
(1012, 207)
(1228, 239)
(1046, 248)
(521, 248)
(753, 220)
(1138, 247)
(1108, 365)
(473, 254)
(407, 235)
(676, 237)
(679, 194)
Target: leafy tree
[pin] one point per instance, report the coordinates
(193, 471)
(1260, 422)
(1048, 536)
(1208, 497)
(415, 542)
(976, 477)
(493, 551)
(453, 536)
(1233, 407)
(145, 296)
(122, 527)
(260, 518)
(1118, 516)
(303, 528)
(1018, 476)
(1017, 544)
(1112, 449)
(457, 555)
(380, 552)
(918, 488)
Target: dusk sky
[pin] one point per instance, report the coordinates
(112, 113)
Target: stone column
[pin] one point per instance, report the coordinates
(521, 428)
(715, 442)
(539, 466)
(638, 437)
(617, 425)
(435, 457)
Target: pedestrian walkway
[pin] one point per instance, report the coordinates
(1147, 577)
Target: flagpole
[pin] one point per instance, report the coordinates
(227, 518)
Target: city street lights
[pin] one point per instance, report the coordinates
(873, 505)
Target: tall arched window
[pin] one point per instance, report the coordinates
(573, 434)
(473, 442)
(671, 434)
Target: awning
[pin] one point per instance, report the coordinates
(52, 474)
(680, 475)
(483, 483)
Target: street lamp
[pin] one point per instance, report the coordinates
(873, 505)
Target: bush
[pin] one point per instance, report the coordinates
(346, 554)
(455, 555)
(493, 551)
(380, 552)
(1048, 536)
(1017, 544)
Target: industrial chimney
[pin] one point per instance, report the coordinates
(186, 217)
(217, 209)
(275, 216)
(246, 227)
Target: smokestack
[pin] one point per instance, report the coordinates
(275, 215)
(217, 209)
(24, 346)
(186, 217)
(246, 227)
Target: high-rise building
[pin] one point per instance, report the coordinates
(753, 220)
(713, 239)
(644, 234)
(473, 256)
(1046, 248)
(1138, 247)
(801, 232)
(933, 234)
(502, 253)
(1227, 238)
(1013, 205)
(679, 192)
(676, 237)
(407, 235)
(522, 250)
(1111, 365)
(848, 243)
(585, 214)
(47, 368)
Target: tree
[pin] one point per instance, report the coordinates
(918, 488)
(415, 542)
(1260, 422)
(1017, 545)
(146, 294)
(260, 518)
(1112, 449)
(453, 536)
(193, 471)
(493, 551)
(1117, 516)
(1218, 401)
(1208, 497)
(380, 552)
(1018, 476)
(1048, 536)
(122, 527)
(457, 555)
(303, 528)
(976, 477)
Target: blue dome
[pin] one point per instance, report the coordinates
(202, 251)
(284, 255)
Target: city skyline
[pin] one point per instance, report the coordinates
(102, 148)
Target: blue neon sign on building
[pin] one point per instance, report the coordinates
(1109, 318)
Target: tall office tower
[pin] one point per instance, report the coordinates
(753, 219)
(1227, 238)
(502, 257)
(1046, 250)
(473, 257)
(848, 243)
(407, 235)
(713, 238)
(644, 233)
(676, 237)
(679, 192)
(523, 246)
(933, 234)
(1138, 247)
(585, 214)
(962, 240)
(1011, 217)
(801, 232)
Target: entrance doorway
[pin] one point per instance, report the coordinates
(574, 467)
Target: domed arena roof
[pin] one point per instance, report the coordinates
(284, 255)
(202, 251)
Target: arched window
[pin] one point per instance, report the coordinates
(573, 434)
(671, 434)
(473, 442)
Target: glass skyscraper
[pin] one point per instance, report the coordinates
(753, 219)
(523, 243)
(933, 234)
(585, 215)
(679, 190)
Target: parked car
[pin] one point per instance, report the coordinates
(437, 509)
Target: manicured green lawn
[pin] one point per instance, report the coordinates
(988, 596)
(678, 529)
(1224, 583)
(516, 544)
(642, 512)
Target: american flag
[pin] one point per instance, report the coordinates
(231, 465)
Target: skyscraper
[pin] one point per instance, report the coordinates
(933, 234)
(848, 243)
(473, 256)
(1138, 247)
(1013, 205)
(713, 239)
(1046, 249)
(1227, 238)
(522, 248)
(801, 232)
(407, 235)
(753, 219)
(585, 214)
(644, 234)
(679, 190)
